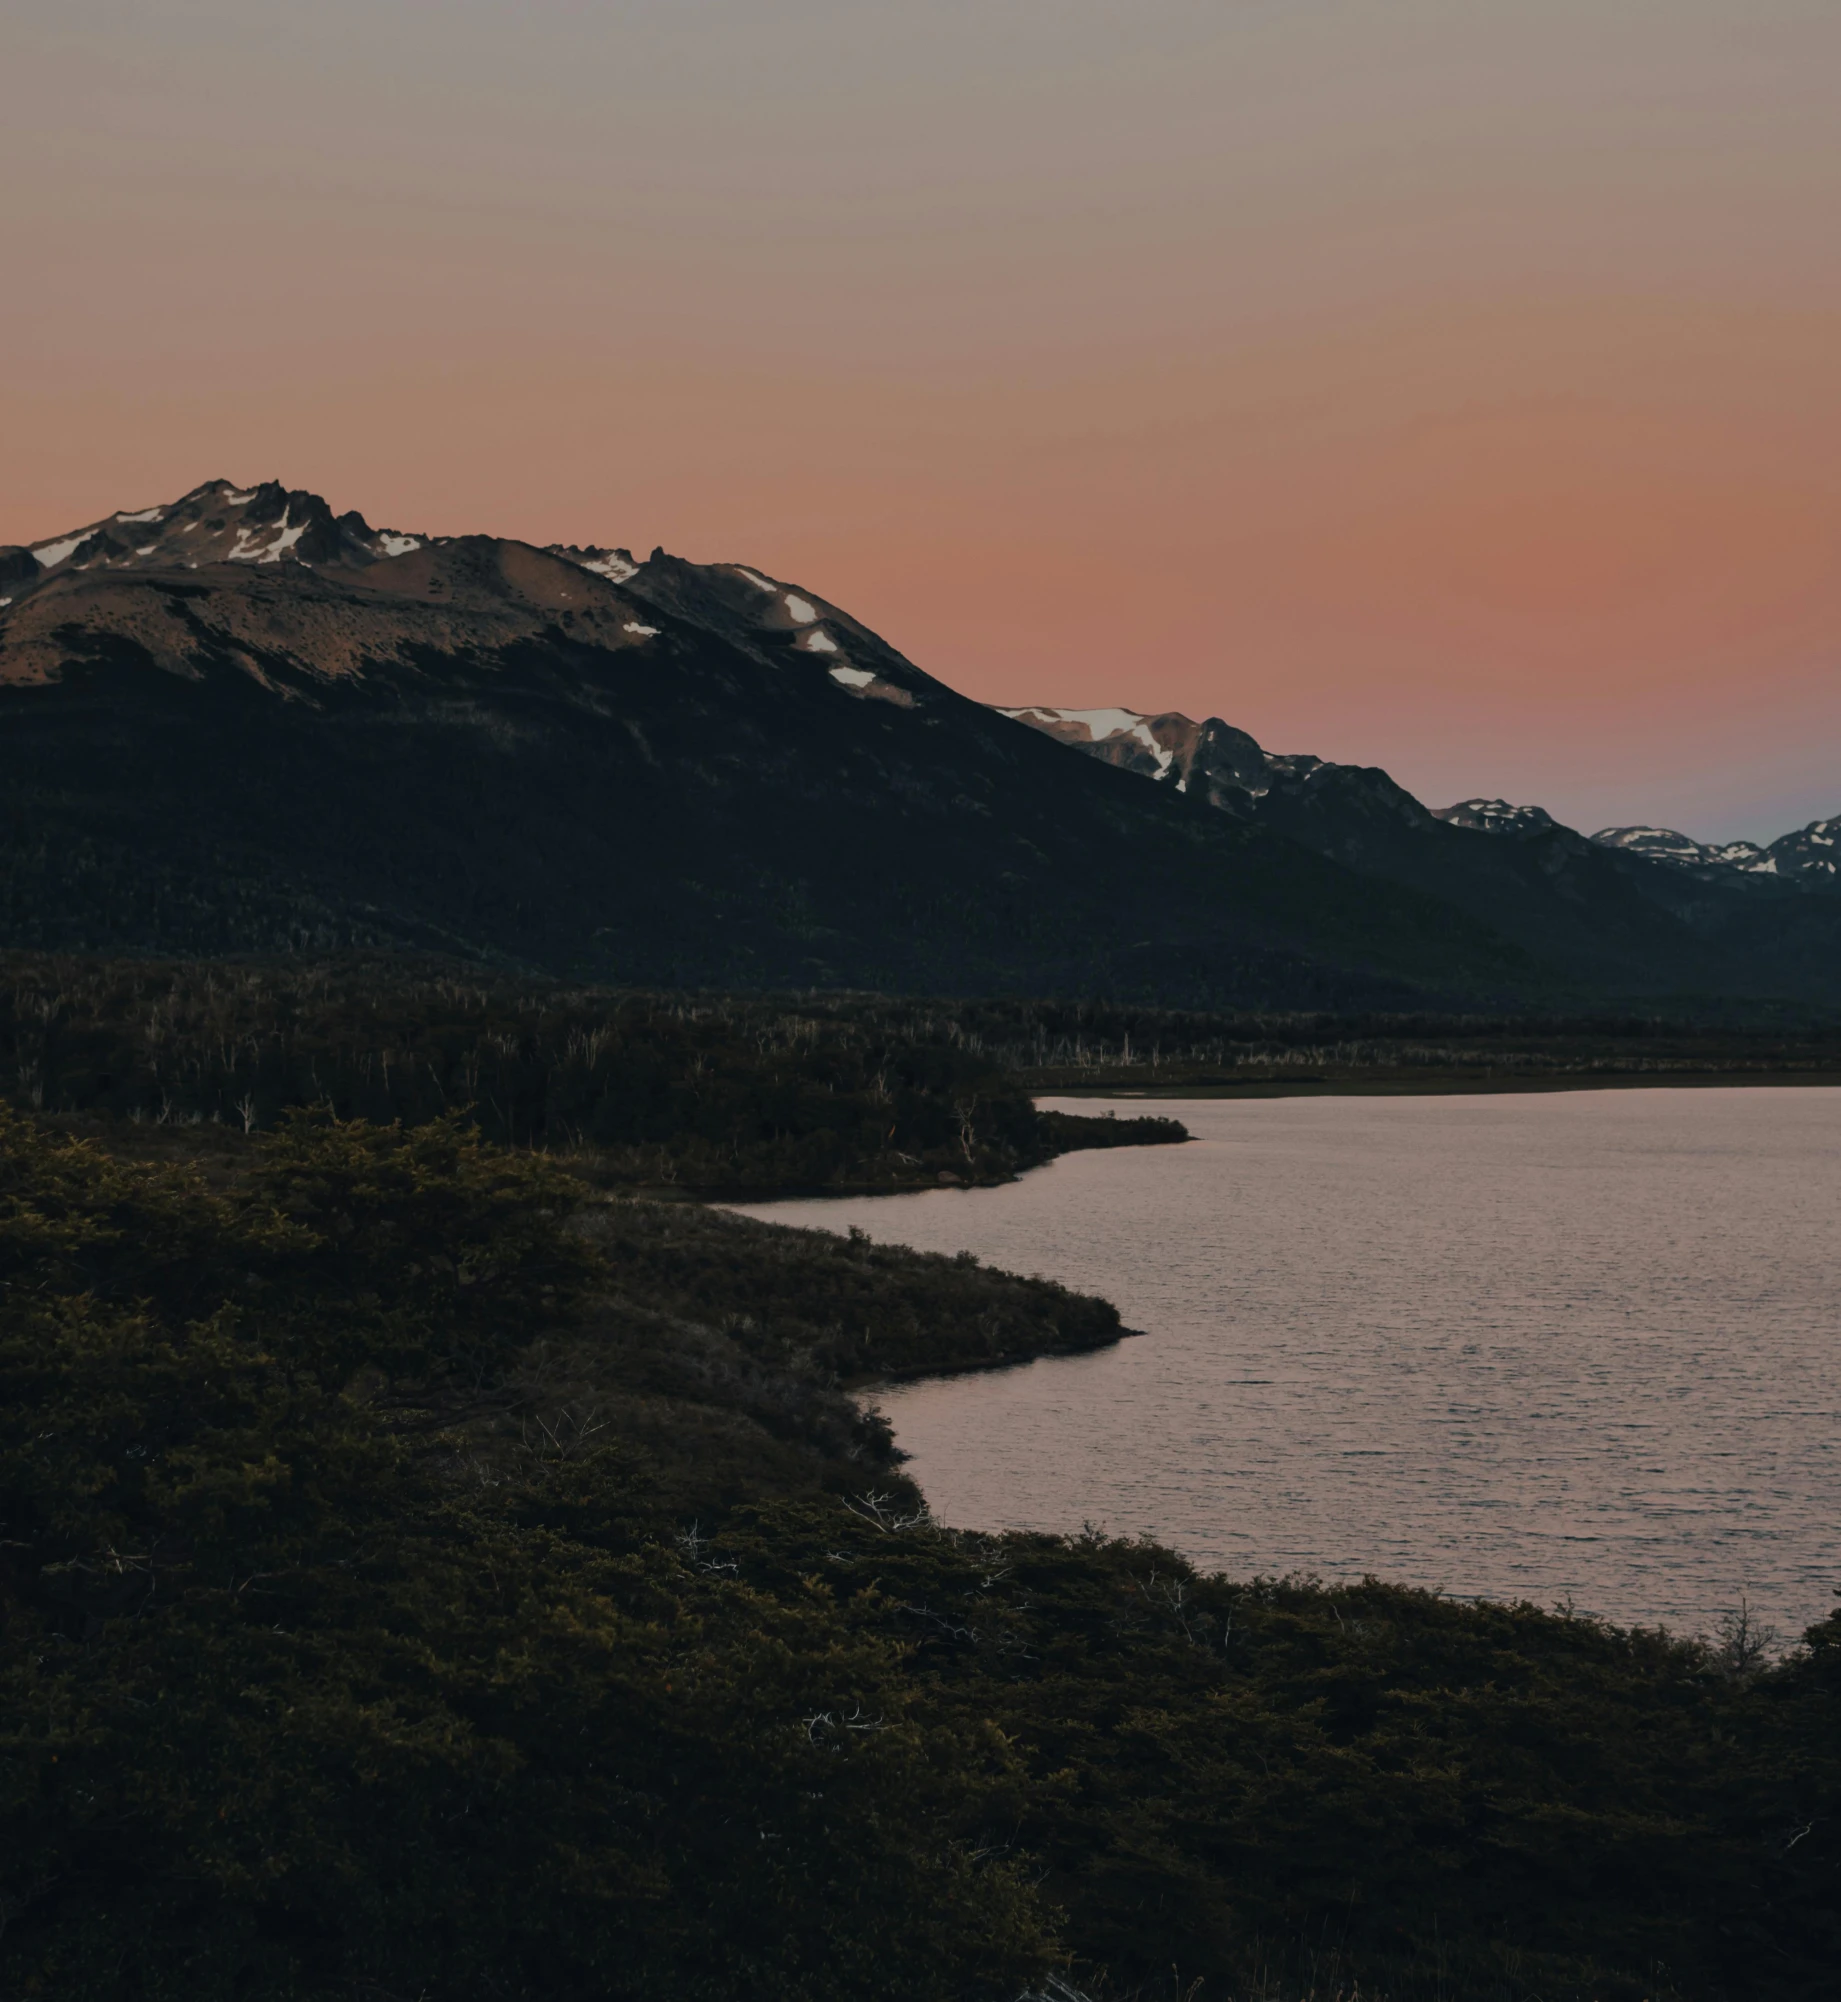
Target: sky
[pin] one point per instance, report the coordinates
(1449, 385)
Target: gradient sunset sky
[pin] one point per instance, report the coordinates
(1451, 387)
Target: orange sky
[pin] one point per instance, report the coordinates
(1453, 386)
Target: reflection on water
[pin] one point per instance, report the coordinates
(1572, 1346)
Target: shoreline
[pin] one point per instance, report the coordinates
(1436, 1086)
(864, 1386)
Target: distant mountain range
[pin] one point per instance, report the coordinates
(1807, 853)
(238, 722)
(1631, 909)
(1237, 774)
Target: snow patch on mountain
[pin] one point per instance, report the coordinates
(1809, 852)
(1668, 844)
(1661, 844)
(1099, 724)
(1102, 726)
(1238, 775)
(245, 549)
(1495, 816)
(50, 554)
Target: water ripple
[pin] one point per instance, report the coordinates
(1573, 1347)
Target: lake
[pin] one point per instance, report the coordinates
(1576, 1346)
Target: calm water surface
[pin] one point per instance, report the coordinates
(1577, 1345)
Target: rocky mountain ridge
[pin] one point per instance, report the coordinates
(218, 734)
(1234, 771)
(271, 528)
(214, 523)
(1609, 909)
(1805, 854)
(1496, 816)
(245, 722)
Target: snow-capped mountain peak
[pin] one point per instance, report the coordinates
(1123, 727)
(1229, 769)
(1496, 816)
(1668, 844)
(214, 523)
(1812, 853)
(618, 566)
(1211, 758)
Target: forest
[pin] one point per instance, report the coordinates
(441, 1561)
(717, 1095)
(704, 1095)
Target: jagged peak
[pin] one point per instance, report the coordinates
(221, 522)
(618, 566)
(1495, 816)
(1166, 743)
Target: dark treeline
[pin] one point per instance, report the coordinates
(707, 1094)
(733, 1094)
(423, 1576)
(1045, 1041)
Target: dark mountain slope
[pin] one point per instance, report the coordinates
(1806, 855)
(651, 773)
(1611, 918)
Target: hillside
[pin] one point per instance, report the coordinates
(223, 735)
(1625, 911)
(423, 1577)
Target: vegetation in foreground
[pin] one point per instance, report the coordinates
(427, 1577)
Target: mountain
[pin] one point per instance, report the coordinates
(1664, 844)
(215, 523)
(1806, 855)
(1809, 853)
(1611, 913)
(240, 722)
(1496, 816)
